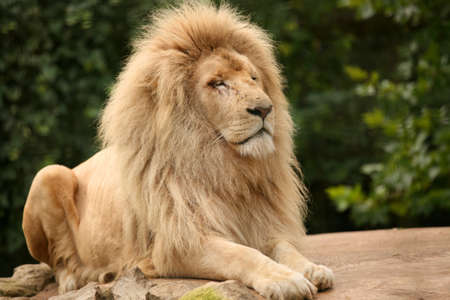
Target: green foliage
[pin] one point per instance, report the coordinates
(411, 180)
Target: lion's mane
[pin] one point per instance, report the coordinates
(182, 184)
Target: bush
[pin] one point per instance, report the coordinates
(410, 182)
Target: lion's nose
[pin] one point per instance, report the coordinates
(260, 111)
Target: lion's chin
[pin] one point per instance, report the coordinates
(258, 146)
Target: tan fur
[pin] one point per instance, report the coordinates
(183, 186)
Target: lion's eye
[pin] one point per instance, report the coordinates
(217, 83)
(254, 78)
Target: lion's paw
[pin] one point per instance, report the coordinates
(294, 286)
(66, 281)
(321, 276)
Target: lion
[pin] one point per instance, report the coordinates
(196, 176)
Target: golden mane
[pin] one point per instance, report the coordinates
(170, 164)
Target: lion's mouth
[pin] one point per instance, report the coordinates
(260, 132)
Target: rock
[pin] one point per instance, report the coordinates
(91, 291)
(382, 264)
(134, 285)
(172, 289)
(394, 264)
(27, 281)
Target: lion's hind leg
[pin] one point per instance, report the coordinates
(49, 220)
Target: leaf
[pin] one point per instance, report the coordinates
(374, 118)
(356, 73)
(369, 169)
(345, 196)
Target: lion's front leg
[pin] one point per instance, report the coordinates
(285, 253)
(220, 259)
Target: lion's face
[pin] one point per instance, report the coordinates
(231, 93)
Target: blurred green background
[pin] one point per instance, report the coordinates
(368, 82)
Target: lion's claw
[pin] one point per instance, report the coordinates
(321, 276)
(295, 286)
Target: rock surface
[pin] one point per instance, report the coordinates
(382, 264)
(385, 264)
(27, 280)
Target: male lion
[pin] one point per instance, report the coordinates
(196, 177)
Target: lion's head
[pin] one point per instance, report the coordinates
(231, 92)
(208, 63)
(198, 118)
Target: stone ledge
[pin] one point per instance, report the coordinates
(385, 264)
(382, 264)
